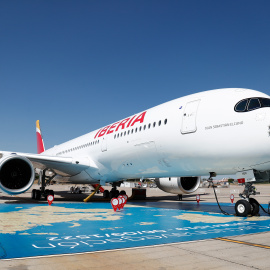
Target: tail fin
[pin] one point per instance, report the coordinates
(40, 143)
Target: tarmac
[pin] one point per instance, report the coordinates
(241, 243)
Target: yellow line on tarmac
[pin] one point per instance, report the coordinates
(242, 242)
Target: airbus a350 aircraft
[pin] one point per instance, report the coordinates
(224, 131)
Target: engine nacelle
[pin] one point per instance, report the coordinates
(16, 174)
(178, 185)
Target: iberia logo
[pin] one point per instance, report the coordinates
(128, 122)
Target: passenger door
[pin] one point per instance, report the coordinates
(189, 117)
(104, 144)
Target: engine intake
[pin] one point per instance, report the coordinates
(16, 174)
(178, 185)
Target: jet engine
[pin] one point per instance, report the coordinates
(16, 174)
(178, 185)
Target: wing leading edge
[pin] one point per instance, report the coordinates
(64, 166)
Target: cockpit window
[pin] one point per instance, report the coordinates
(265, 102)
(254, 104)
(251, 104)
(241, 106)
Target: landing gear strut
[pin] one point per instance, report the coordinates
(44, 181)
(247, 206)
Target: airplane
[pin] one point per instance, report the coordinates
(215, 132)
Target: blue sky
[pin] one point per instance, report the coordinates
(79, 65)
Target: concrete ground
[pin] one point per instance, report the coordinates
(240, 252)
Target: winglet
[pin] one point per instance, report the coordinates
(40, 143)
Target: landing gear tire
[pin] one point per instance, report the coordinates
(36, 194)
(49, 192)
(33, 196)
(114, 194)
(106, 194)
(122, 192)
(255, 208)
(242, 208)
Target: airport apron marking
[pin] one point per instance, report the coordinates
(29, 230)
(243, 243)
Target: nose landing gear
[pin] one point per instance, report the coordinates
(247, 206)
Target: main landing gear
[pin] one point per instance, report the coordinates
(44, 181)
(179, 197)
(114, 193)
(247, 206)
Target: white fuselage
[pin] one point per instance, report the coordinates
(189, 136)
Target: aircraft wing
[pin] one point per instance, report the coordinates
(65, 166)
